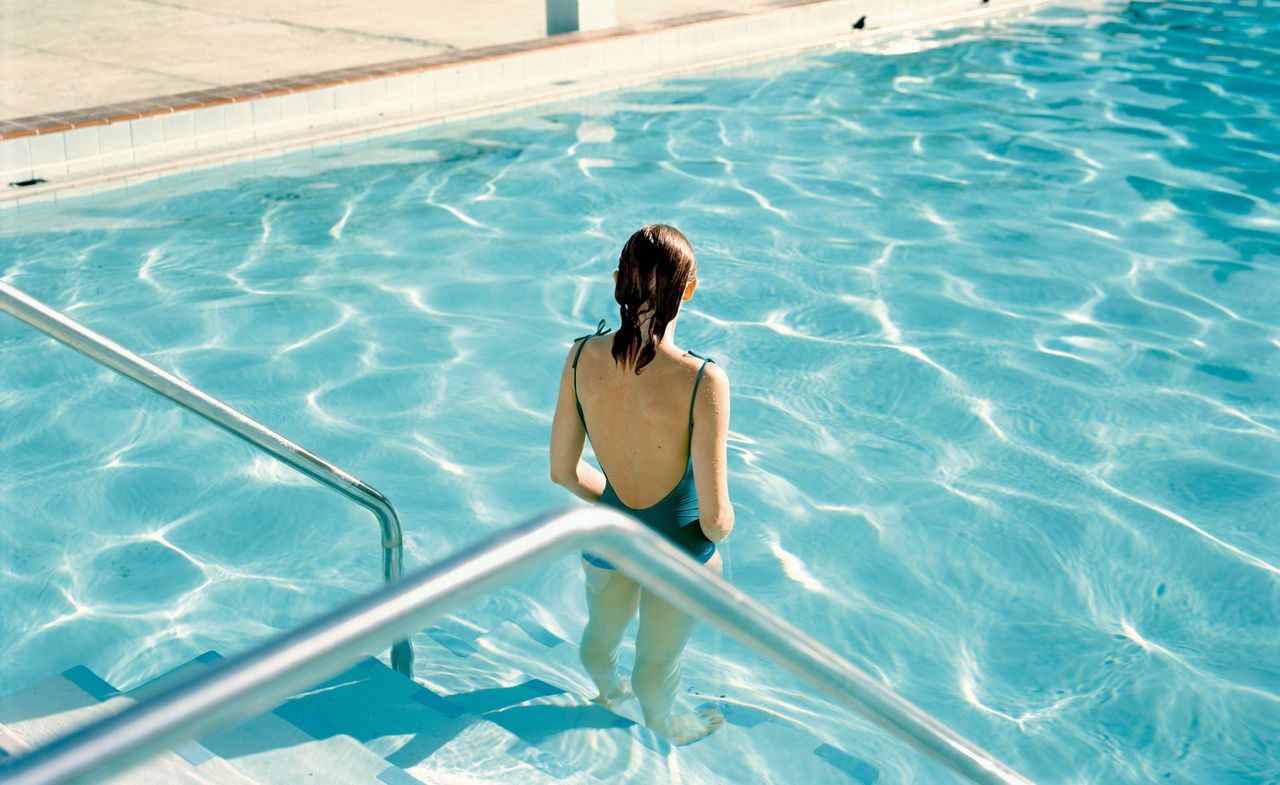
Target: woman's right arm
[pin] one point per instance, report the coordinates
(707, 449)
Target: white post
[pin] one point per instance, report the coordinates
(568, 16)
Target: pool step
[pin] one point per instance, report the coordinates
(51, 708)
(473, 718)
(426, 734)
(384, 719)
(10, 744)
(280, 747)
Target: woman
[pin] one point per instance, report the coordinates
(658, 421)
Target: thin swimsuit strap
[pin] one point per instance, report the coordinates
(600, 330)
(696, 382)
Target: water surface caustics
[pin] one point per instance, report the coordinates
(998, 310)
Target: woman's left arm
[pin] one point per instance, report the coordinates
(567, 438)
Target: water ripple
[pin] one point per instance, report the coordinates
(997, 307)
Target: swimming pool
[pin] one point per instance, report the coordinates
(993, 306)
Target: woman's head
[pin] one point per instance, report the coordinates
(655, 273)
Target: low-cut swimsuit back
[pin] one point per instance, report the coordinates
(676, 515)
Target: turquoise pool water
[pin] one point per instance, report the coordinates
(997, 306)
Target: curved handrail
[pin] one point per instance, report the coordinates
(261, 678)
(97, 347)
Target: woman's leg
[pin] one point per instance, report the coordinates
(611, 602)
(664, 631)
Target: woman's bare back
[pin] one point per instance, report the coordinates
(638, 424)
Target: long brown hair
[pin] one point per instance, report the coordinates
(656, 264)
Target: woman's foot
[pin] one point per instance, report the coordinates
(621, 691)
(682, 729)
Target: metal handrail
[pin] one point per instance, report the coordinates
(261, 678)
(97, 347)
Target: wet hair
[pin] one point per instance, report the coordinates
(655, 265)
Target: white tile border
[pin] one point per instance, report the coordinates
(15, 160)
(82, 149)
(96, 159)
(48, 155)
(145, 132)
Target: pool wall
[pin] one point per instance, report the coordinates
(93, 150)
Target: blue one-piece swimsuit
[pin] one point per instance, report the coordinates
(676, 515)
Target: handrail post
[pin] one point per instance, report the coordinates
(95, 346)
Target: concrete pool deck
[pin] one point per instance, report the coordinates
(122, 142)
(63, 56)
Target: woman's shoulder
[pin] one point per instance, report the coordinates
(711, 391)
(713, 376)
(579, 348)
(586, 343)
(708, 364)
